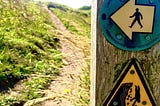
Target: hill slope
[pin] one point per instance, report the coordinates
(27, 51)
(31, 46)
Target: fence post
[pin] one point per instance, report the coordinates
(107, 63)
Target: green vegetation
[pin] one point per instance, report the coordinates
(84, 96)
(59, 6)
(85, 8)
(29, 58)
(27, 51)
(77, 21)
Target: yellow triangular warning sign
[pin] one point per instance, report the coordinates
(131, 88)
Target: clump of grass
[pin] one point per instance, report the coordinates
(83, 95)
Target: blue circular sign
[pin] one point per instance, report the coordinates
(131, 25)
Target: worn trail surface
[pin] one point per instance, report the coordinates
(63, 90)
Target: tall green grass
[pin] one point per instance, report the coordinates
(27, 51)
(84, 87)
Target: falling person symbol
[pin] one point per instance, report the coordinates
(138, 17)
(137, 95)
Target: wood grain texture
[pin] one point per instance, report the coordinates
(107, 62)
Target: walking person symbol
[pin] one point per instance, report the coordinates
(138, 17)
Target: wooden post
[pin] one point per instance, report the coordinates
(107, 62)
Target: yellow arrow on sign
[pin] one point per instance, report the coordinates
(134, 18)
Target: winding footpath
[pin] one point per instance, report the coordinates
(64, 89)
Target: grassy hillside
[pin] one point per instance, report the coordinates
(29, 59)
(27, 51)
(77, 21)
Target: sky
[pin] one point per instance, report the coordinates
(71, 3)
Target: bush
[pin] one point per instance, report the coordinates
(85, 8)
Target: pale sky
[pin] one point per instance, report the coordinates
(71, 3)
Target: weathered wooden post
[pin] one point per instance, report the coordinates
(116, 40)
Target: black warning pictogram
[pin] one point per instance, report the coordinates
(131, 88)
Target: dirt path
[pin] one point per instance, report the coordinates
(63, 90)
